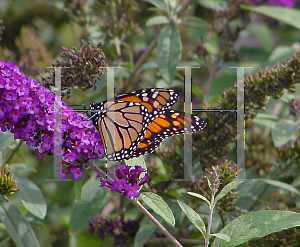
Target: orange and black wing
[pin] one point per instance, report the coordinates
(122, 123)
(156, 100)
(168, 124)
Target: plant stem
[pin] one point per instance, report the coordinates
(139, 63)
(156, 222)
(286, 167)
(13, 152)
(155, 241)
(147, 52)
(211, 210)
(91, 164)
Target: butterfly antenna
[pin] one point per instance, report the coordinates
(77, 93)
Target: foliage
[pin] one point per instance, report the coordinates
(148, 39)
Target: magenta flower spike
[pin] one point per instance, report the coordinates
(27, 111)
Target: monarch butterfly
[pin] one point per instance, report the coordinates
(136, 123)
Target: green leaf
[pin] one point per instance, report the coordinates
(21, 169)
(257, 225)
(159, 206)
(265, 120)
(168, 52)
(281, 53)
(17, 225)
(6, 139)
(297, 91)
(161, 4)
(78, 189)
(42, 233)
(226, 189)
(200, 196)
(193, 21)
(157, 20)
(32, 197)
(139, 161)
(83, 238)
(285, 131)
(281, 185)
(197, 91)
(263, 32)
(193, 217)
(214, 4)
(93, 203)
(220, 235)
(289, 16)
(146, 230)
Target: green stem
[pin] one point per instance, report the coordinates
(211, 210)
(91, 164)
(139, 63)
(118, 50)
(13, 152)
(147, 52)
(259, 196)
(156, 222)
(275, 175)
(166, 242)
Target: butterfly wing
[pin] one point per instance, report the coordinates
(165, 125)
(122, 123)
(156, 100)
(121, 127)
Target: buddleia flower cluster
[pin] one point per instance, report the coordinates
(127, 180)
(123, 231)
(27, 111)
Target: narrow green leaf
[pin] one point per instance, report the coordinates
(193, 21)
(168, 52)
(93, 203)
(264, 33)
(226, 189)
(32, 197)
(157, 20)
(220, 235)
(200, 196)
(257, 225)
(21, 169)
(139, 161)
(161, 4)
(159, 206)
(266, 120)
(197, 90)
(285, 131)
(17, 225)
(281, 185)
(209, 184)
(297, 91)
(193, 217)
(281, 53)
(42, 233)
(6, 139)
(289, 16)
(78, 189)
(83, 238)
(146, 230)
(214, 4)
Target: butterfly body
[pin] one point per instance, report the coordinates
(136, 123)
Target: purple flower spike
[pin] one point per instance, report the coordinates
(77, 172)
(130, 191)
(127, 180)
(27, 111)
